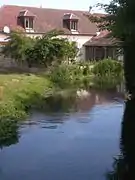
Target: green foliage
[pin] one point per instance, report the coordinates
(120, 22)
(67, 75)
(50, 48)
(17, 45)
(21, 94)
(40, 51)
(108, 66)
(119, 19)
(11, 110)
(108, 73)
(103, 74)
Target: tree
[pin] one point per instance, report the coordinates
(120, 22)
(17, 45)
(39, 51)
(51, 48)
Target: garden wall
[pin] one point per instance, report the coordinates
(9, 65)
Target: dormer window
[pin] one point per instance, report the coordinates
(26, 20)
(70, 21)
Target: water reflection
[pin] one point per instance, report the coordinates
(124, 165)
(75, 138)
(57, 110)
(8, 133)
(73, 103)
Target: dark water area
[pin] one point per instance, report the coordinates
(75, 138)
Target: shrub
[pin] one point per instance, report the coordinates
(11, 110)
(66, 75)
(17, 45)
(108, 73)
(39, 51)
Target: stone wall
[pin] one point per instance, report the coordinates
(7, 62)
(8, 65)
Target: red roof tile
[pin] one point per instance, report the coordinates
(103, 39)
(70, 16)
(25, 13)
(45, 19)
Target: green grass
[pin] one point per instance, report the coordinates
(19, 93)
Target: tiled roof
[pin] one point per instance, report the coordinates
(103, 39)
(70, 16)
(25, 13)
(45, 19)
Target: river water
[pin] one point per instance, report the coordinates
(75, 138)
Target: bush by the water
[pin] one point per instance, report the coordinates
(68, 75)
(108, 73)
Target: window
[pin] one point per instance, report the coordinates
(74, 25)
(29, 23)
(66, 24)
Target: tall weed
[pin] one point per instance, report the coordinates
(108, 73)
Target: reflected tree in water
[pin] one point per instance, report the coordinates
(124, 165)
(60, 103)
(8, 133)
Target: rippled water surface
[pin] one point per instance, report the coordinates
(76, 142)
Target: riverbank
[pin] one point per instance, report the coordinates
(21, 92)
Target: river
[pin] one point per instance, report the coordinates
(75, 138)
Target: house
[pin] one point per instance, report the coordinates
(38, 21)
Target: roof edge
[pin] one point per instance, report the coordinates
(25, 6)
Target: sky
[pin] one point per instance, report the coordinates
(58, 4)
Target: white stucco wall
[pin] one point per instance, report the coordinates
(80, 40)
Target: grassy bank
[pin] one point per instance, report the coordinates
(19, 93)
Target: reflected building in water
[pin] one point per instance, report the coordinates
(86, 103)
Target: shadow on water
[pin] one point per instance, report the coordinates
(124, 164)
(8, 133)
